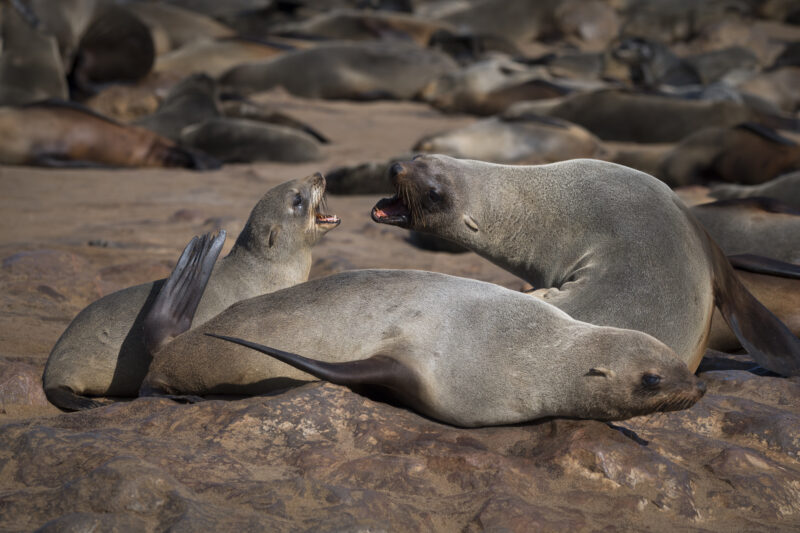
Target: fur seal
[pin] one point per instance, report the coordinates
(784, 188)
(102, 352)
(748, 153)
(30, 64)
(607, 244)
(192, 100)
(757, 226)
(652, 118)
(356, 71)
(178, 26)
(532, 139)
(116, 47)
(243, 140)
(57, 133)
(413, 333)
(215, 57)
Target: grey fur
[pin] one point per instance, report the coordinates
(359, 70)
(102, 351)
(749, 229)
(478, 354)
(607, 244)
(785, 188)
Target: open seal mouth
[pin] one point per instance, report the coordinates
(320, 217)
(392, 211)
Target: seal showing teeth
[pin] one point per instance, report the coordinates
(391, 211)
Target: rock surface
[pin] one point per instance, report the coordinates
(322, 458)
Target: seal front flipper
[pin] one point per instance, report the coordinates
(66, 399)
(761, 333)
(173, 309)
(378, 370)
(765, 265)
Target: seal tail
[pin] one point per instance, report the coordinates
(378, 370)
(761, 333)
(173, 309)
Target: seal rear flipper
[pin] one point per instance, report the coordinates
(378, 370)
(64, 398)
(761, 333)
(173, 309)
(765, 265)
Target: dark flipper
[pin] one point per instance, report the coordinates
(765, 265)
(173, 309)
(378, 370)
(66, 399)
(761, 333)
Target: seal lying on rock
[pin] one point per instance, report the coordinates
(605, 243)
(465, 352)
(102, 352)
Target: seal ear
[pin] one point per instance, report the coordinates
(601, 372)
(273, 233)
(470, 222)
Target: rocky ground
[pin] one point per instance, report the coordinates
(321, 457)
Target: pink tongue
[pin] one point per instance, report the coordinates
(393, 209)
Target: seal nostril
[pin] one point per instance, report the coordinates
(396, 170)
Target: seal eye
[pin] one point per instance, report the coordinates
(434, 196)
(651, 380)
(298, 200)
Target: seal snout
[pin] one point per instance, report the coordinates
(396, 171)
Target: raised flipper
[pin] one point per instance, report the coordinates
(761, 333)
(173, 309)
(378, 370)
(765, 265)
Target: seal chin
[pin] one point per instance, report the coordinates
(392, 211)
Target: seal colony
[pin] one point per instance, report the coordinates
(607, 244)
(412, 334)
(103, 352)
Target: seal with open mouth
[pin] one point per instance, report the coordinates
(605, 243)
(103, 353)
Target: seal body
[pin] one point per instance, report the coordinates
(753, 226)
(102, 352)
(415, 334)
(607, 244)
(55, 133)
(356, 71)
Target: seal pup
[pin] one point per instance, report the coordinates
(748, 153)
(59, 134)
(607, 244)
(344, 70)
(757, 226)
(102, 352)
(785, 188)
(531, 139)
(30, 64)
(414, 333)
